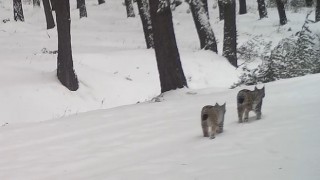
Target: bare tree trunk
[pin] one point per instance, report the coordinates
(205, 5)
(201, 21)
(82, 8)
(167, 55)
(309, 3)
(65, 71)
(129, 7)
(17, 10)
(262, 9)
(242, 7)
(144, 12)
(221, 10)
(36, 3)
(48, 13)
(101, 1)
(318, 11)
(230, 32)
(282, 12)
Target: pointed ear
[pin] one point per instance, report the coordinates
(216, 104)
(224, 104)
(263, 87)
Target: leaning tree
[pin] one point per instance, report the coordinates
(129, 7)
(144, 11)
(282, 12)
(221, 9)
(230, 32)
(65, 71)
(17, 10)
(81, 4)
(201, 21)
(242, 7)
(167, 55)
(48, 14)
(318, 11)
(262, 9)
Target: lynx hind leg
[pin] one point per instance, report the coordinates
(204, 124)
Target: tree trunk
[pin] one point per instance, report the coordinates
(17, 10)
(230, 32)
(309, 3)
(262, 9)
(82, 8)
(48, 13)
(129, 7)
(65, 71)
(282, 12)
(78, 4)
(167, 55)
(36, 3)
(201, 21)
(242, 7)
(221, 10)
(318, 11)
(144, 12)
(101, 1)
(205, 5)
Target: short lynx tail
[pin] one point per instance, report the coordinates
(240, 99)
(204, 117)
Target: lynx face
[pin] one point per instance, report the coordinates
(212, 119)
(250, 101)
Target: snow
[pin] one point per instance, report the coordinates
(112, 129)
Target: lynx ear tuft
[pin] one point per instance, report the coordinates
(216, 104)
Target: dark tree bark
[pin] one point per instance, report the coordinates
(205, 5)
(48, 13)
(318, 11)
(242, 7)
(82, 8)
(144, 12)
(36, 3)
(167, 55)
(230, 32)
(129, 7)
(101, 1)
(282, 12)
(201, 21)
(65, 71)
(17, 10)
(262, 9)
(221, 10)
(309, 3)
(78, 4)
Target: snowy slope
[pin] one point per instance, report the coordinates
(162, 140)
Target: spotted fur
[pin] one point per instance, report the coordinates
(212, 119)
(249, 101)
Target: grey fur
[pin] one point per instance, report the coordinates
(212, 117)
(250, 101)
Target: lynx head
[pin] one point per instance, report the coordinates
(221, 110)
(258, 96)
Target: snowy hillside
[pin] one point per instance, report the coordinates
(163, 140)
(112, 129)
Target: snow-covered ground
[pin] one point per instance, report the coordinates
(162, 140)
(44, 133)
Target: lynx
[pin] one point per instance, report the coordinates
(249, 101)
(212, 117)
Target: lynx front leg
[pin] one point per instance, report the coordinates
(246, 115)
(212, 132)
(240, 113)
(258, 110)
(220, 128)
